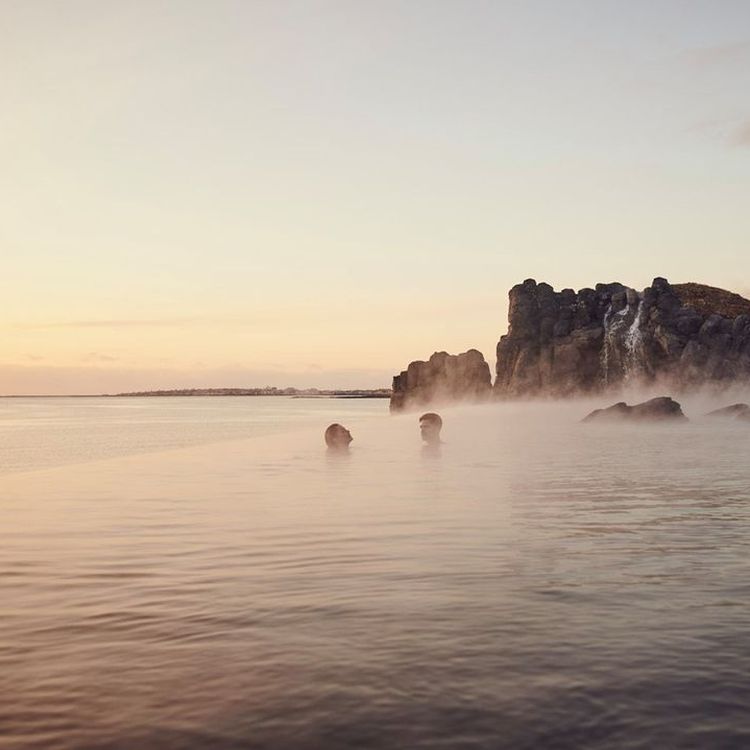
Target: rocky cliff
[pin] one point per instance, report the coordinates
(565, 343)
(443, 378)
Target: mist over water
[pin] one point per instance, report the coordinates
(534, 583)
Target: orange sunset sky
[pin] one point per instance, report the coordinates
(315, 193)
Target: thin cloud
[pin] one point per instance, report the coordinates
(720, 54)
(727, 132)
(138, 323)
(98, 357)
(125, 323)
(741, 136)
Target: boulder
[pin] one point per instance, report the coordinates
(662, 408)
(735, 411)
(441, 379)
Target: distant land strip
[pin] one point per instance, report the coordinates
(289, 392)
(293, 392)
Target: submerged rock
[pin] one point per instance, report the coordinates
(567, 343)
(735, 411)
(656, 409)
(443, 378)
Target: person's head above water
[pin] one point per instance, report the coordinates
(430, 425)
(338, 437)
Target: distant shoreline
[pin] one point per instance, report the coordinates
(223, 392)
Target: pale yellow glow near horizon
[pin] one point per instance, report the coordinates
(318, 193)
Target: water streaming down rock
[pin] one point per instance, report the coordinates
(622, 348)
(634, 346)
(606, 324)
(614, 323)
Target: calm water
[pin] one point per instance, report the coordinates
(41, 432)
(538, 584)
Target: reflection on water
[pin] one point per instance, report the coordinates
(539, 584)
(432, 450)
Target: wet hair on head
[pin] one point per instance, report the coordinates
(333, 433)
(432, 418)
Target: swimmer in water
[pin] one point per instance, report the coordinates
(338, 437)
(430, 425)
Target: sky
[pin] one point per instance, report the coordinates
(314, 193)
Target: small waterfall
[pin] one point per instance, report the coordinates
(613, 325)
(605, 346)
(634, 345)
(622, 348)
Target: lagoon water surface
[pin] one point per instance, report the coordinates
(537, 583)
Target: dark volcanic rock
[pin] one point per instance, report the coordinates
(444, 377)
(566, 343)
(735, 411)
(657, 409)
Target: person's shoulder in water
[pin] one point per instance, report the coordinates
(337, 437)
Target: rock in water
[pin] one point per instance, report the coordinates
(443, 378)
(735, 411)
(656, 409)
(567, 343)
